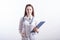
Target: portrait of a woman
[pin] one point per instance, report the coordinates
(27, 24)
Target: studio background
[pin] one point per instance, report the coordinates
(45, 10)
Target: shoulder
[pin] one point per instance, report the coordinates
(35, 19)
(21, 19)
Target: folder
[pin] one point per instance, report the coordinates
(39, 25)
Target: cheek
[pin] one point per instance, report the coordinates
(26, 11)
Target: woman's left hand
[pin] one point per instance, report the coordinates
(36, 29)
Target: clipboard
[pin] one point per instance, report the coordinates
(39, 25)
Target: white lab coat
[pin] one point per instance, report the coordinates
(25, 27)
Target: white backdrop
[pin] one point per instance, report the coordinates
(12, 10)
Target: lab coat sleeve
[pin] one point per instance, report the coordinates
(21, 26)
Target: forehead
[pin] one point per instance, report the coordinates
(29, 7)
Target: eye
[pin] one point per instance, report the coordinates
(30, 9)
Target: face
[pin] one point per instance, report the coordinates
(29, 10)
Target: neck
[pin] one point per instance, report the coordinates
(29, 15)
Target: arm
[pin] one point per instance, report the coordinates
(21, 28)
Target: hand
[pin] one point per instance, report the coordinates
(36, 29)
(23, 34)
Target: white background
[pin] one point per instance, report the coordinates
(12, 10)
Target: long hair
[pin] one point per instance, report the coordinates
(25, 14)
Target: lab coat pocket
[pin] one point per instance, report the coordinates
(33, 36)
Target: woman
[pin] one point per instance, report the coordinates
(28, 23)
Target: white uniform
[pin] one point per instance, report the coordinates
(26, 27)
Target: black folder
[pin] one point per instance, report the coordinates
(39, 25)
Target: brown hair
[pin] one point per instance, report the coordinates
(32, 10)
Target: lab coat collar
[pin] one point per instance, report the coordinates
(28, 17)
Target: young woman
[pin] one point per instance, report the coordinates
(28, 23)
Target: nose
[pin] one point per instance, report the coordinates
(28, 10)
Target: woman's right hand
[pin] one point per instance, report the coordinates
(23, 34)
